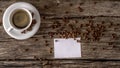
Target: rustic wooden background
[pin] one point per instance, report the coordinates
(37, 52)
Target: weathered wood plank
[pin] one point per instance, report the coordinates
(108, 46)
(81, 64)
(37, 52)
(20, 64)
(71, 8)
(60, 64)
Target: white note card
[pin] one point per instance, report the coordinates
(67, 48)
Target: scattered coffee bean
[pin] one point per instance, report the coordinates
(95, 2)
(36, 39)
(32, 25)
(58, 2)
(114, 46)
(81, 25)
(114, 36)
(110, 43)
(36, 58)
(43, 17)
(46, 7)
(71, 4)
(94, 49)
(80, 9)
(24, 31)
(46, 44)
(93, 32)
(81, 3)
(76, 21)
(1, 10)
(56, 24)
(66, 12)
(103, 22)
(26, 49)
(65, 19)
(103, 48)
(51, 50)
(79, 41)
(46, 41)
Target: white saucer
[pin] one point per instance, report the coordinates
(17, 34)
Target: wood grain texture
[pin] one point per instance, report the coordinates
(72, 8)
(81, 64)
(37, 52)
(59, 64)
(20, 64)
(41, 44)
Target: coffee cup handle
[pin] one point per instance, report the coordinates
(10, 28)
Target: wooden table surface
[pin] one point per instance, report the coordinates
(100, 50)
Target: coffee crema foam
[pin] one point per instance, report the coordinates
(21, 19)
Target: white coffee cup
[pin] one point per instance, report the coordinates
(12, 26)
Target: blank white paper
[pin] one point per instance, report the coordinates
(67, 48)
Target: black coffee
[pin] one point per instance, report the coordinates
(21, 19)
